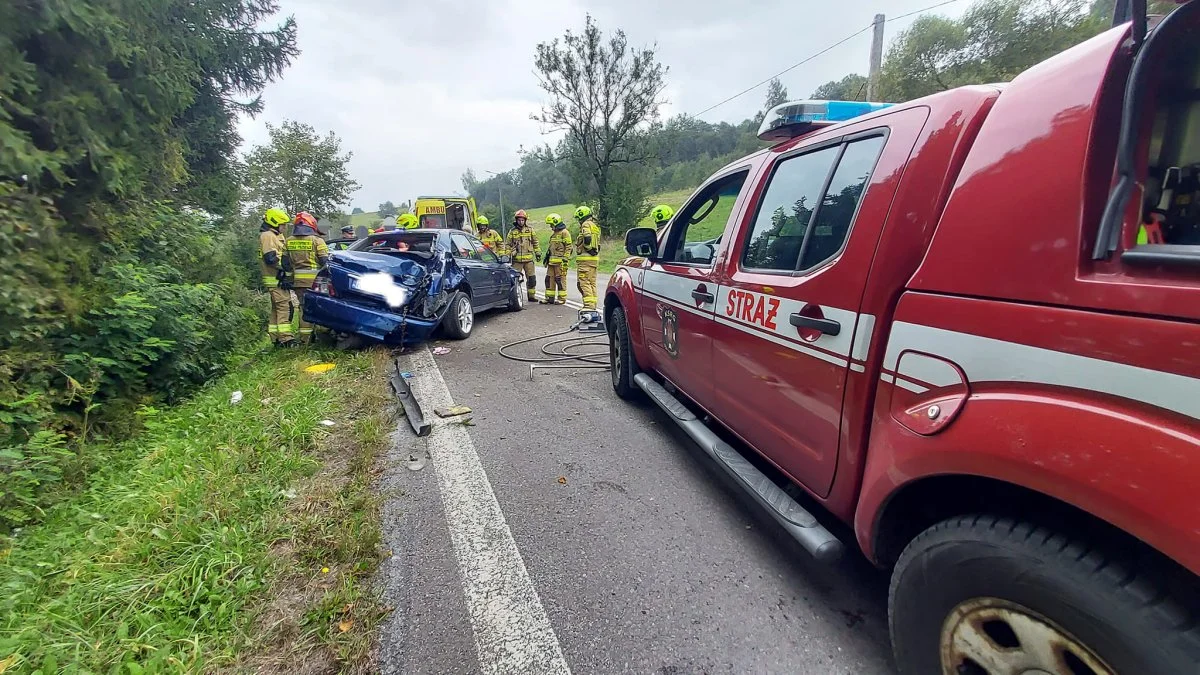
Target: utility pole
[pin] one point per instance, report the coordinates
(500, 188)
(876, 59)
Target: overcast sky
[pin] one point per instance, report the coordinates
(420, 91)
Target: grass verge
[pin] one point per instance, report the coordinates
(225, 537)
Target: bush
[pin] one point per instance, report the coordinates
(93, 329)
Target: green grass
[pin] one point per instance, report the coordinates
(364, 219)
(612, 252)
(174, 555)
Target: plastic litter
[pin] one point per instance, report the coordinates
(327, 423)
(320, 368)
(438, 351)
(452, 411)
(236, 398)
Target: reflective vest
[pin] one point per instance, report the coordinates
(560, 247)
(493, 240)
(307, 253)
(523, 244)
(268, 241)
(588, 243)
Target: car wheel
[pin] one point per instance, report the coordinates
(978, 595)
(460, 317)
(516, 298)
(621, 363)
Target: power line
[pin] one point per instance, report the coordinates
(829, 48)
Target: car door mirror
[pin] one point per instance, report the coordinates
(506, 259)
(642, 241)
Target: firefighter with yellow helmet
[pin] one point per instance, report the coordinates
(490, 237)
(587, 255)
(271, 250)
(307, 253)
(558, 256)
(525, 249)
(407, 221)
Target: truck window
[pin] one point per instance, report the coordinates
(786, 210)
(695, 232)
(805, 215)
(831, 226)
(1171, 206)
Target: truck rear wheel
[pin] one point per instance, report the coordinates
(983, 595)
(620, 355)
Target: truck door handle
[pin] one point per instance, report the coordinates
(703, 296)
(826, 326)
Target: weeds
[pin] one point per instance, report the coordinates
(170, 557)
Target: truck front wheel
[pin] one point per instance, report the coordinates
(984, 595)
(620, 355)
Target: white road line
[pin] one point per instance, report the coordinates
(512, 632)
(570, 302)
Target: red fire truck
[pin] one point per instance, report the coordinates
(945, 322)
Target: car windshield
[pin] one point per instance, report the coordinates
(416, 242)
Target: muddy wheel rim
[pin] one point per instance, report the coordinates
(990, 636)
(466, 318)
(614, 358)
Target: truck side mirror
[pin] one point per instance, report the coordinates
(642, 241)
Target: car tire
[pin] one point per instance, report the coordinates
(621, 362)
(516, 298)
(999, 588)
(459, 318)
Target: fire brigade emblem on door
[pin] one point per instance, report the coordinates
(670, 327)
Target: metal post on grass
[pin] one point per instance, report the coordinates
(503, 220)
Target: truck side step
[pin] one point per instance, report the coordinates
(798, 522)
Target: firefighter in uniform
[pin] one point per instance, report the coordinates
(587, 255)
(558, 256)
(525, 249)
(490, 237)
(661, 215)
(308, 253)
(270, 251)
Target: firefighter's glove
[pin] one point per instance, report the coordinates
(546, 258)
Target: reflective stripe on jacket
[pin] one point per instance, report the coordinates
(270, 241)
(493, 240)
(588, 243)
(560, 247)
(308, 253)
(523, 244)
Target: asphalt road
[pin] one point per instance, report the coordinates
(611, 544)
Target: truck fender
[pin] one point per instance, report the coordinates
(622, 291)
(1129, 464)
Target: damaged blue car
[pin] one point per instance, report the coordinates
(403, 286)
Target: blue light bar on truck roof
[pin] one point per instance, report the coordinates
(795, 118)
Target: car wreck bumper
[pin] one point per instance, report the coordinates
(347, 317)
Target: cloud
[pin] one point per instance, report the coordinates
(420, 91)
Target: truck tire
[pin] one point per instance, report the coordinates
(981, 587)
(620, 356)
(459, 318)
(516, 298)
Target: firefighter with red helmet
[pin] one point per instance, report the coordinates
(525, 249)
(307, 253)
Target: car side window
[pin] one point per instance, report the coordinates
(484, 253)
(462, 247)
(805, 215)
(695, 232)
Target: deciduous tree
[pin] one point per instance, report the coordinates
(602, 95)
(298, 170)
